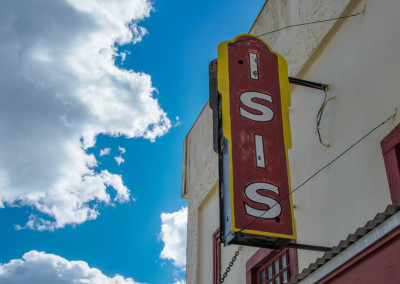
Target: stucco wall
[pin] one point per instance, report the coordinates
(201, 174)
(297, 44)
(208, 224)
(358, 58)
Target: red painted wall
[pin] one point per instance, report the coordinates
(378, 264)
(391, 154)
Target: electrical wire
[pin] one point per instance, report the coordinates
(319, 117)
(303, 24)
(322, 108)
(323, 168)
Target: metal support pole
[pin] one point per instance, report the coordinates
(309, 84)
(308, 247)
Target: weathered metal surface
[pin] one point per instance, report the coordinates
(308, 84)
(254, 178)
(308, 247)
(213, 101)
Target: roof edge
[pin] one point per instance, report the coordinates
(364, 237)
(266, 1)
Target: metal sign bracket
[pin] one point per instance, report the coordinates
(308, 84)
(308, 247)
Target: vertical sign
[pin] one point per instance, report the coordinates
(254, 171)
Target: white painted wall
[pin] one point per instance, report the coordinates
(238, 271)
(200, 171)
(208, 224)
(358, 58)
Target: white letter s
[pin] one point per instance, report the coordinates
(267, 114)
(275, 208)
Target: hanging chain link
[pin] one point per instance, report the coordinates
(230, 265)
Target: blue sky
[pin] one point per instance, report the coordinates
(41, 111)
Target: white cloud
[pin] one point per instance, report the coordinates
(173, 234)
(43, 268)
(59, 89)
(105, 151)
(123, 56)
(122, 150)
(178, 122)
(181, 281)
(119, 160)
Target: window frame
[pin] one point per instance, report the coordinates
(391, 155)
(275, 274)
(216, 257)
(264, 257)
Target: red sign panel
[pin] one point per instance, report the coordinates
(253, 83)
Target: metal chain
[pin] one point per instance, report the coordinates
(230, 265)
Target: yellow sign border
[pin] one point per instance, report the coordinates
(223, 88)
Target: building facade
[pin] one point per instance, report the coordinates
(358, 58)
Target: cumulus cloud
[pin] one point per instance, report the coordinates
(105, 151)
(181, 281)
(119, 160)
(173, 234)
(59, 89)
(40, 267)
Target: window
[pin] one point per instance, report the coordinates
(391, 155)
(216, 257)
(271, 266)
(276, 271)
